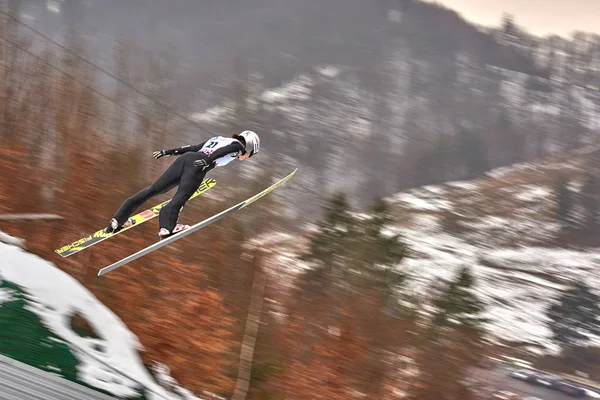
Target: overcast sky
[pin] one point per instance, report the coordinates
(541, 17)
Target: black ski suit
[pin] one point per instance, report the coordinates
(182, 173)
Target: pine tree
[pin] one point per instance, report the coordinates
(330, 243)
(457, 306)
(379, 252)
(345, 243)
(509, 28)
(352, 279)
(564, 201)
(451, 344)
(575, 316)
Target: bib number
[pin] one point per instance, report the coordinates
(209, 147)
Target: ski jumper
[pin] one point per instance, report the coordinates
(218, 151)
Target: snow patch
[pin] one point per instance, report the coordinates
(467, 185)
(329, 71)
(53, 6)
(4, 238)
(212, 114)
(493, 231)
(533, 193)
(298, 89)
(516, 284)
(421, 204)
(163, 376)
(269, 239)
(501, 172)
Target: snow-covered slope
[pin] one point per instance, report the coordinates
(110, 362)
(502, 226)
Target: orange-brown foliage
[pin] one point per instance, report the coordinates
(60, 160)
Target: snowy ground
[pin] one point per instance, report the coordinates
(502, 227)
(55, 296)
(517, 284)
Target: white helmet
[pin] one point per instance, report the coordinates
(252, 142)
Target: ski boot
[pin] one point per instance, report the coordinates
(164, 232)
(113, 225)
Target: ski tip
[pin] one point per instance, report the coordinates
(62, 254)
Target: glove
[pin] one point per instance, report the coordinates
(202, 163)
(160, 153)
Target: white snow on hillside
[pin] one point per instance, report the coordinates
(423, 203)
(502, 234)
(533, 193)
(55, 296)
(502, 227)
(213, 114)
(297, 89)
(516, 284)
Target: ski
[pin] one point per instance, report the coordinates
(195, 227)
(137, 219)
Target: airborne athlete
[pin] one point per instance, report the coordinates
(187, 172)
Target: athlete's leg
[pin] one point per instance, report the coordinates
(191, 178)
(167, 181)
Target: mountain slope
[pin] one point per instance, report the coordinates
(502, 226)
(402, 95)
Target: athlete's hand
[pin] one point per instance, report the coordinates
(160, 153)
(202, 163)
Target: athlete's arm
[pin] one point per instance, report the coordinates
(177, 151)
(185, 149)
